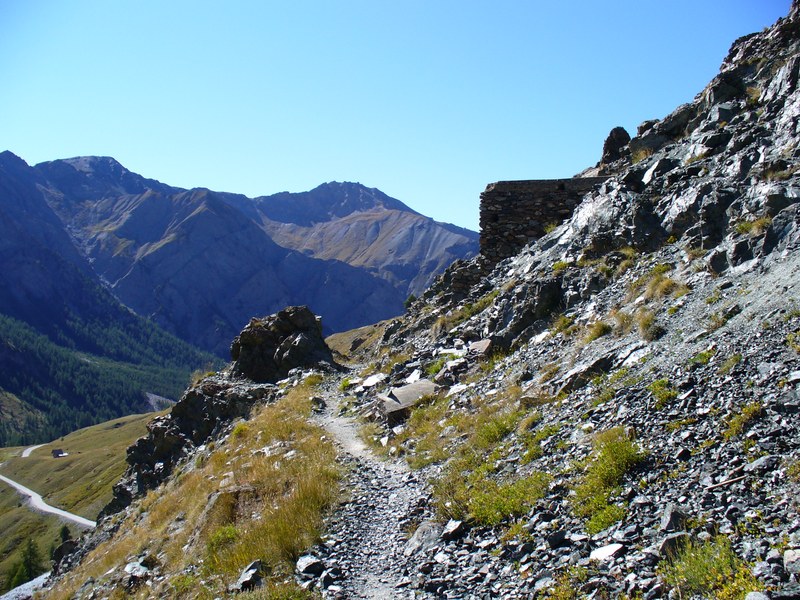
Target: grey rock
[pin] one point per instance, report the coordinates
(673, 519)
(309, 565)
(396, 404)
(267, 349)
(425, 537)
(791, 561)
(453, 530)
(250, 577)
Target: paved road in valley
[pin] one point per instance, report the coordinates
(37, 503)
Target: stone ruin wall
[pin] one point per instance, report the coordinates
(514, 213)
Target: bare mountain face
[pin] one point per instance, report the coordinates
(202, 263)
(366, 228)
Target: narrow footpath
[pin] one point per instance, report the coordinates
(367, 535)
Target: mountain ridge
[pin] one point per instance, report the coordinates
(137, 232)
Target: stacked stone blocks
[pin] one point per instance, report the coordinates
(514, 213)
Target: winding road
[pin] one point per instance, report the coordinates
(37, 503)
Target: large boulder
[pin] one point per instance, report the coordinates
(616, 141)
(268, 348)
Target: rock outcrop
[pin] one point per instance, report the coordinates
(267, 349)
(264, 352)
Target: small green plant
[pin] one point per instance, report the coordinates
(597, 330)
(639, 154)
(655, 285)
(663, 392)
(550, 227)
(756, 227)
(409, 301)
(184, 583)
(606, 386)
(708, 569)
(533, 442)
(680, 424)
(793, 341)
(729, 363)
(793, 470)
(774, 174)
(437, 365)
(549, 371)
(313, 380)
(447, 322)
(753, 93)
(494, 502)
(560, 265)
(718, 320)
(703, 357)
(715, 297)
(695, 253)
(239, 430)
(737, 423)
(563, 324)
(649, 329)
(222, 536)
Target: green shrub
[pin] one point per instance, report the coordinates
(222, 536)
(729, 363)
(737, 423)
(313, 380)
(532, 442)
(709, 569)
(663, 392)
(614, 455)
(560, 265)
(597, 330)
(436, 366)
(649, 329)
(704, 357)
(756, 227)
(493, 502)
(563, 324)
(793, 341)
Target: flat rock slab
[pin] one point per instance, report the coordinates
(606, 552)
(399, 401)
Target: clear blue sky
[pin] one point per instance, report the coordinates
(428, 100)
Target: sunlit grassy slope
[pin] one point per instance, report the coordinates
(80, 482)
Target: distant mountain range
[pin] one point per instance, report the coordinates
(201, 263)
(96, 259)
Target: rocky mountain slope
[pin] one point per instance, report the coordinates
(70, 353)
(612, 413)
(201, 263)
(366, 228)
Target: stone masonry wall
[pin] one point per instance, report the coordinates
(514, 213)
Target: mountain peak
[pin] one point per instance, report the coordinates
(94, 177)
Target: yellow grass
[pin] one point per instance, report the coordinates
(261, 494)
